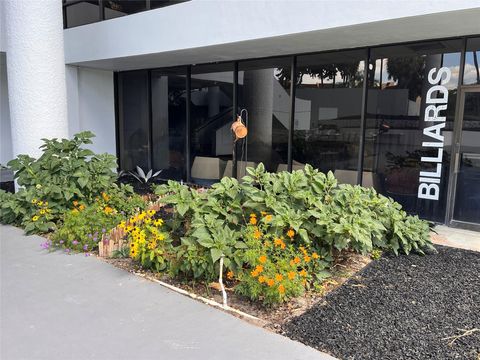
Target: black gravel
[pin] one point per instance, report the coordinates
(400, 308)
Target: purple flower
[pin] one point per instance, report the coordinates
(67, 251)
(45, 245)
(89, 235)
(74, 242)
(94, 238)
(61, 241)
(87, 254)
(85, 247)
(103, 230)
(122, 212)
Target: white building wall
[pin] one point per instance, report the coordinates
(91, 106)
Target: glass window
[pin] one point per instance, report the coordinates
(411, 108)
(471, 75)
(154, 4)
(328, 107)
(133, 117)
(264, 91)
(211, 119)
(81, 13)
(117, 8)
(169, 101)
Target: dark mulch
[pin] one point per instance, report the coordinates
(400, 308)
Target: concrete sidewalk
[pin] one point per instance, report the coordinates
(55, 306)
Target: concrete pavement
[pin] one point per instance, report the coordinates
(56, 306)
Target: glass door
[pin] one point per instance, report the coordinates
(465, 204)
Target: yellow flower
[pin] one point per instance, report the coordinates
(148, 221)
(42, 212)
(296, 260)
(160, 237)
(34, 201)
(290, 233)
(262, 259)
(46, 203)
(278, 277)
(253, 215)
(105, 196)
(75, 211)
(158, 222)
(40, 203)
(306, 259)
(108, 210)
(122, 225)
(81, 207)
(230, 275)
(254, 273)
(262, 279)
(133, 252)
(142, 215)
(291, 275)
(151, 212)
(281, 289)
(315, 255)
(263, 213)
(303, 273)
(253, 220)
(35, 218)
(152, 245)
(268, 218)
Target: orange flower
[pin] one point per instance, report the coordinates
(267, 243)
(105, 196)
(254, 273)
(290, 233)
(108, 210)
(268, 218)
(279, 242)
(263, 213)
(278, 277)
(253, 215)
(230, 275)
(257, 234)
(291, 275)
(296, 260)
(315, 255)
(281, 289)
(259, 268)
(253, 220)
(262, 259)
(81, 207)
(303, 273)
(261, 279)
(307, 258)
(292, 263)
(75, 203)
(270, 282)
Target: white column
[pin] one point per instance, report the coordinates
(36, 73)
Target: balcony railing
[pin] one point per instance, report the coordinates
(82, 12)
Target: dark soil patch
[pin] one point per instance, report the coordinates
(271, 318)
(400, 308)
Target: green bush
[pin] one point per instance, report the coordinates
(65, 172)
(320, 213)
(83, 226)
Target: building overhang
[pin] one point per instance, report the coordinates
(209, 31)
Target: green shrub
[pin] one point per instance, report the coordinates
(320, 213)
(83, 226)
(65, 172)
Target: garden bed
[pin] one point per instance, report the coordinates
(405, 307)
(270, 317)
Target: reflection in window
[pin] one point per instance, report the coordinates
(117, 8)
(81, 13)
(211, 118)
(133, 116)
(398, 84)
(264, 90)
(328, 106)
(471, 75)
(168, 122)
